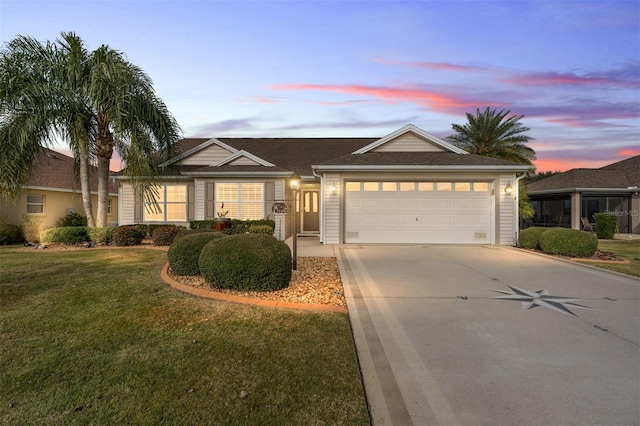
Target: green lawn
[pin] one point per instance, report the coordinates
(626, 249)
(95, 337)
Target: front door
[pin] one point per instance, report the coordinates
(310, 211)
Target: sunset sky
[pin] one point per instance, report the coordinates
(367, 68)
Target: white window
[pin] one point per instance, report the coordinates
(35, 204)
(109, 207)
(172, 205)
(240, 200)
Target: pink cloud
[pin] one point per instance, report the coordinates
(628, 152)
(441, 66)
(434, 100)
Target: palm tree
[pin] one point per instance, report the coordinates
(488, 133)
(97, 102)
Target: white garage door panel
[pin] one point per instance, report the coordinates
(420, 217)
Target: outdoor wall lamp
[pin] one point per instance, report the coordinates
(508, 189)
(294, 184)
(333, 189)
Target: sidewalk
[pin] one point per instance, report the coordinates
(311, 247)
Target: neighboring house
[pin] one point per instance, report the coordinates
(407, 187)
(53, 191)
(565, 198)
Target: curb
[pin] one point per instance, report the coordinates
(211, 294)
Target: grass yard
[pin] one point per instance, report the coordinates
(626, 249)
(95, 337)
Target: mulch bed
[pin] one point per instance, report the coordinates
(316, 281)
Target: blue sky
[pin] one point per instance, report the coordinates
(367, 68)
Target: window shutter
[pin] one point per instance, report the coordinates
(209, 207)
(191, 206)
(137, 207)
(269, 197)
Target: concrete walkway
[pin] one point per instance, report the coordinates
(491, 335)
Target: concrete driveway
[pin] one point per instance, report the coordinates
(492, 336)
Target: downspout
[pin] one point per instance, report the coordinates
(517, 207)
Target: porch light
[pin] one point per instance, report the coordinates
(508, 189)
(333, 189)
(294, 184)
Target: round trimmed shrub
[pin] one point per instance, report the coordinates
(71, 219)
(530, 237)
(128, 235)
(568, 242)
(165, 234)
(247, 262)
(65, 235)
(184, 252)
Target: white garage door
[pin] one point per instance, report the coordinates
(418, 212)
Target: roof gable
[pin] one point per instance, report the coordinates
(410, 139)
(204, 153)
(243, 158)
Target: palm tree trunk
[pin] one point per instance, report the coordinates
(85, 185)
(103, 190)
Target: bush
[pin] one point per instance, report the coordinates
(261, 229)
(101, 235)
(128, 235)
(606, 224)
(65, 235)
(568, 242)
(165, 234)
(530, 237)
(10, 234)
(71, 219)
(184, 252)
(237, 226)
(246, 262)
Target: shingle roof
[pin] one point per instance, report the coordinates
(54, 170)
(417, 159)
(299, 154)
(620, 175)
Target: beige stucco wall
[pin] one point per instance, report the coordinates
(56, 205)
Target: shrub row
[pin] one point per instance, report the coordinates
(77, 234)
(241, 262)
(237, 226)
(10, 234)
(185, 251)
(561, 241)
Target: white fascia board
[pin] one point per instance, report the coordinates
(421, 168)
(411, 128)
(203, 145)
(243, 153)
(239, 174)
(583, 191)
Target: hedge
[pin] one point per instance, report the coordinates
(101, 235)
(128, 235)
(568, 242)
(237, 226)
(10, 234)
(65, 235)
(246, 262)
(530, 237)
(606, 224)
(261, 229)
(165, 234)
(185, 251)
